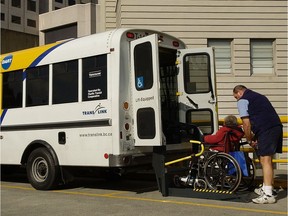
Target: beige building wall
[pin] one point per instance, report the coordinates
(195, 22)
(86, 17)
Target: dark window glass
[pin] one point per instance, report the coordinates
(2, 1)
(146, 123)
(31, 23)
(44, 6)
(2, 16)
(143, 66)
(197, 73)
(71, 2)
(31, 5)
(37, 86)
(16, 3)
(94, 80)
(12, 89)
(203, 118)
(65, 82)
(16, 19)
(61, 33)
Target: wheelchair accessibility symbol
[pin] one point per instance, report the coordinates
(140, 82)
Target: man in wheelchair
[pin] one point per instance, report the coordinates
(227, 137)
(216, 168)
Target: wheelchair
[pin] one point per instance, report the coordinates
(217, 171)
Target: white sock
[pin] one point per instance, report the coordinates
(268, 190)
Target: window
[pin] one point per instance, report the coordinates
(37, 86)
(203, 118)
(222, 55)
(31, 23)
(61, 33)
(31, 5)
(2, 16)
(44, 6)
(143, 65)
(146, 123)
(16, 19)
(94, 80)
(12, 89)
(2, 1)
(65, 82)
(197, 73)
(261, 56)
(71, 2)
(16, 3)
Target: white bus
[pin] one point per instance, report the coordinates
(102, 101)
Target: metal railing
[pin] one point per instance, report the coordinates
(284, 119)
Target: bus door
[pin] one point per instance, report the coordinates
(196, 88)
(146, 91)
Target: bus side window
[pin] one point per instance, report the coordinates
(37, 86)
(65, 82)
(94, 79)
(12, 89)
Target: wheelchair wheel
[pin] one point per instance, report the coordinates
(200, 184)
(247, 181)
(222, 172)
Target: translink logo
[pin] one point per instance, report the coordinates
(99, 109)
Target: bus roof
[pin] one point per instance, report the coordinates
(68, 50)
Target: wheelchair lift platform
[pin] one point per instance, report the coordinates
(165, 174)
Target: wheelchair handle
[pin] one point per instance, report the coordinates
(188, 157)
(201, 145)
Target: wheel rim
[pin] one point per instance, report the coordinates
(40, 169)
(217, 174)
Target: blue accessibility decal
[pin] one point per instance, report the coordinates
(140, 82)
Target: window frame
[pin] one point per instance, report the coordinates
(221, 45)
(100, 73)
(42, 72)
(262, 45)
(56, 96)
(19, 89)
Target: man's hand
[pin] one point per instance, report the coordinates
(254, 144)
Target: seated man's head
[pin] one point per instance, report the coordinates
(230, 120)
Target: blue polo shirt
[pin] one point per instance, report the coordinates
(260, 111)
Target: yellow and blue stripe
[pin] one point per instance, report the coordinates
(21, 60)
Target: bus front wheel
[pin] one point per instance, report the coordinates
(42, 171)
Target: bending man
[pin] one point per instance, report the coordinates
(263, 131)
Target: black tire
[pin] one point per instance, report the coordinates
(42, 171)
(247, 181)
(222, 172)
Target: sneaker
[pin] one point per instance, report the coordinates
(260, 192)
(264, 199)
(184, 178)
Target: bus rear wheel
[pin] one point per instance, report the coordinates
(42, 171)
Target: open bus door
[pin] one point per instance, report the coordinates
(196, 89)
(146, 91)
